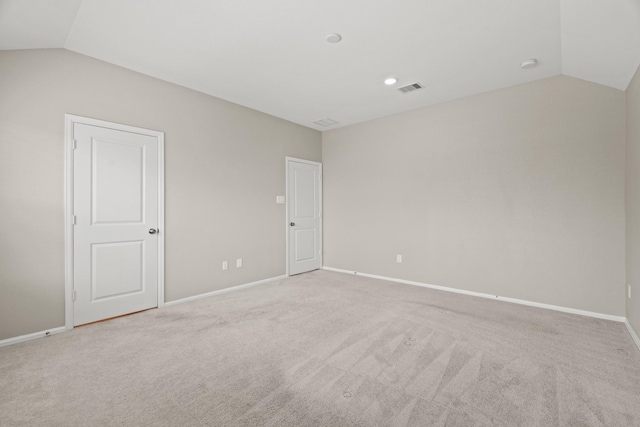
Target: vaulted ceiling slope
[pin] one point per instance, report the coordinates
(272, 55)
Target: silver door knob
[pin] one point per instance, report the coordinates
(153, 231)
(292, 224)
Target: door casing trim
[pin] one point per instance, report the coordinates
(286, 207)
(70, 120)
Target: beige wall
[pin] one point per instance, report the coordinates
(517, 192)
(224, 168)
(633, 201)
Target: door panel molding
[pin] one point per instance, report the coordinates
(69, 218)
(288, 254)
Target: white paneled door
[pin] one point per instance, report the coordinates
(115, 235)
(304, 208)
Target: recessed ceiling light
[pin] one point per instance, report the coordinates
(390, 81)
(333, 38)
(529, 63)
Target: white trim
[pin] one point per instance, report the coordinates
(632, 332)
(33, 336)
(68, 221)
(482, 295)
(49, 332)
(288, 159)
(161, 229)
(222, 291)
(70, 120)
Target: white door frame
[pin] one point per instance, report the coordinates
(286, 207)
(70, 120)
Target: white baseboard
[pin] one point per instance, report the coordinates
(48, 332)
(33, 336)
(482, 295)
(633, 333)
(634, 336)
(222, 291)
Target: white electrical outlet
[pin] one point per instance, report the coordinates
(225, 265)
(399, 259)
(239, 262)
(628, 291)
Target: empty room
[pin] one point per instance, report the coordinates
(319, 213)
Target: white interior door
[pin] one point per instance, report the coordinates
(304, 207)
(115, 236)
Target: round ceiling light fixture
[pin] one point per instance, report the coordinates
(333, 38)
(529, 63)
(390, 81)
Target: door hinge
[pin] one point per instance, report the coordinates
(75, 144)
(74, 220)
(73, 296)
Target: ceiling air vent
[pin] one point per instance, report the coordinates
(326, 122)
(410, 88)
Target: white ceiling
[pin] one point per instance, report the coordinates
(272, 55)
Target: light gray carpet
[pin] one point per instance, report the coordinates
(328, 349)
